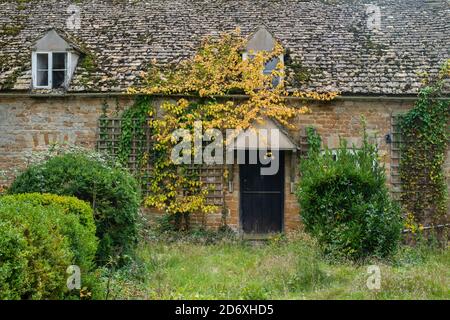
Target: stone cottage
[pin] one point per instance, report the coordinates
(64, 63)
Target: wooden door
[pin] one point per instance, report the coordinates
(262, 198)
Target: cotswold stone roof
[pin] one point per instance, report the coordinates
(329, 40)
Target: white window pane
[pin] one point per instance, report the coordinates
(58, 79)
(269, 68)
(42, 78)
(42, 61)
(271, 65)
(59, 61)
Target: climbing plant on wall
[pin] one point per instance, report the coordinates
(204, 81)
(133, 129)
(425, 134)
(314, 139)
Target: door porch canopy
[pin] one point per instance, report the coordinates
(265, 134)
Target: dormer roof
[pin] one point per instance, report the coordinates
(54, 40)
(261, 40)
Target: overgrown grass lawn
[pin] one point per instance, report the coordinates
(279, 269)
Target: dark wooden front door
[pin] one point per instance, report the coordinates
(262, 198)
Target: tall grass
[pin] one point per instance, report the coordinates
(279, 269)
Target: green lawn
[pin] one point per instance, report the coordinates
(280, 269)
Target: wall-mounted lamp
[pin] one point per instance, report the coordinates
(388, 138)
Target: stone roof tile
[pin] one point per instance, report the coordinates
(329, 38)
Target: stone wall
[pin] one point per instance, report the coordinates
(28, 124)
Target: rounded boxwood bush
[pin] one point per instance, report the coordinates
(34, 253)
(80, 232)
(14, 255)
(345, 203)
(112, 192)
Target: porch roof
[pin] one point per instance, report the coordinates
(266, 134)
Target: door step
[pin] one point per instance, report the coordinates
(257, 236)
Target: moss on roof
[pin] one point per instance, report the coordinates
(329, 40)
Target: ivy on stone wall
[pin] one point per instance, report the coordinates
(314, 140)
(425, 135)
(133, 123)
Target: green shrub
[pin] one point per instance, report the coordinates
(111, 191)
(80, 232)
(13, 262)
(34, 254)
(345, 203)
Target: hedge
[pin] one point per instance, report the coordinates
(34, 253)
(80, 234)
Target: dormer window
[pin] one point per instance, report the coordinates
(262, 40)
(54, 60)
(50, 69)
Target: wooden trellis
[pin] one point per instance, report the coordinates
(396, 145)
(109, 133)
(108, 141)
(397, 142)
(304, 146)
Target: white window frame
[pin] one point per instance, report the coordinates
(50, 68)
(350, 150)
(334, 152)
